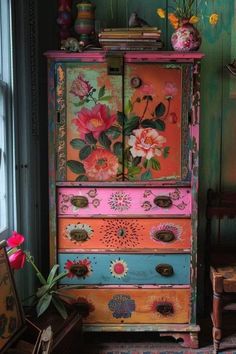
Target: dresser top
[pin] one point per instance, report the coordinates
(100, 55)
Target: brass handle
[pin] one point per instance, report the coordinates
(165, 308)
(79, 201)
(164, 236)
(79, 235)
(166, 270)
(163, 201)
(80, 270)
(135, 82)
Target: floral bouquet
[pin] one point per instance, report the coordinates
(47, 293)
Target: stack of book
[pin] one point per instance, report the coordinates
(136, 38)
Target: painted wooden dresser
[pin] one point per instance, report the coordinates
(123, 163)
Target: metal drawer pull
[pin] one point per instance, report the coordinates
(79, 235)
(79, 201)
(163, 201)
(80, 270)
(164, 236)
(166, 270)
(165, 308)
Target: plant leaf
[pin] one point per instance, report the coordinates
(160, 109)
(42, 290)
(146, 176)
(43, 304)
(90, 138)
(104, 141)
(101, 92)
(131, 124)
(105, 98)
(59, 276)
(75, 166)
(85, 152)
(77, 143)
(114, 131)
(118, 149)
(148, 123)
(82, 178)
(166, 151)
(160, 125)
(78, 104)
(60, 307)
(52, 273)
(128, 107)
(155, 164)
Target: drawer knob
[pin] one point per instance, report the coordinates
(165, 308)
(79, 235)
(135, 82)
(164, 236)
(166, 270)
(80, 270)
(163, 201)
(79, 201)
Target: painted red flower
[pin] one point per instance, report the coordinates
(80, 87)
(17, 259)
(15, 239)
(94, 120)
(101, 165)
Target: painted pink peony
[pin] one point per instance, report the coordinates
(80, 87)
(146, 143)
(15, 239)
(94, 120)
(17, 259)
(170, 89)
(101, 165)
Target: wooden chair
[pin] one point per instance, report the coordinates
(222, 260)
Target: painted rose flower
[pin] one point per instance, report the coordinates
(94, 120)
(170, 89)
(146, 143)
(17, 259)
(15, 239)
(101, 165)
(80, 87)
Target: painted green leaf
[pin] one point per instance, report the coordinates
(131, 124)
(90, 138)
(121, 118)
(128, 107)
(166, 151)
(118, 149)
(155, 164)
(104, 141)
(114, 132)
(160, 125)
(148, 123)
(78, 104)
(160, 109)
(137, 160)
(145, 163)
(101, 92)
(76, 166)
(146, 176)
(134, 170)
(105, 98)
(81, 178)
(85, 152)
(77, 144)
(43, 304)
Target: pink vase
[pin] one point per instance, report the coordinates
(186, 38)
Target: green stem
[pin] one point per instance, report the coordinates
(38, 273)
(91, 95)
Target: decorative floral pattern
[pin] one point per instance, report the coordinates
(78, 232)
(120, 201)
(80, 269)
(121, 306)
(175, 229)
(121, 233)
(81, 87)
(119, 268)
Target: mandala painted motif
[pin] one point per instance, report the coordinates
(121, 233)
(118, 268)
(78, 232)
(121, 306)
(120, 201)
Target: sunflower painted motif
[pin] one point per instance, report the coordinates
(121, 233)
(118, 268)
(121, 306)
(78, 232)
(162, 306)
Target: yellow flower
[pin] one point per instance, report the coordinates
(161, 13)
(173, 20)
(194, 19)
(213, 19)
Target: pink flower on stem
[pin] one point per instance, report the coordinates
(80, 87)
(95, 120)
(15, 239)
(170, 89)
(17, 259)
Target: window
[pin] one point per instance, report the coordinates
(7, 174)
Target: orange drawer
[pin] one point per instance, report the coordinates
(120, 305)
(124, 234)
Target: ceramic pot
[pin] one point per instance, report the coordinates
(186, 38)
(85, 21)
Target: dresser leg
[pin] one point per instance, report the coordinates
(190, 340)
(217, 321)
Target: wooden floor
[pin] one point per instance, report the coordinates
(151, 343)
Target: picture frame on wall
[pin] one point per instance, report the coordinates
(12, 322)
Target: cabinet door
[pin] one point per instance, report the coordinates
(157, 105)
(89, 127)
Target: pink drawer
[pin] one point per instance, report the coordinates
(109, 201)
